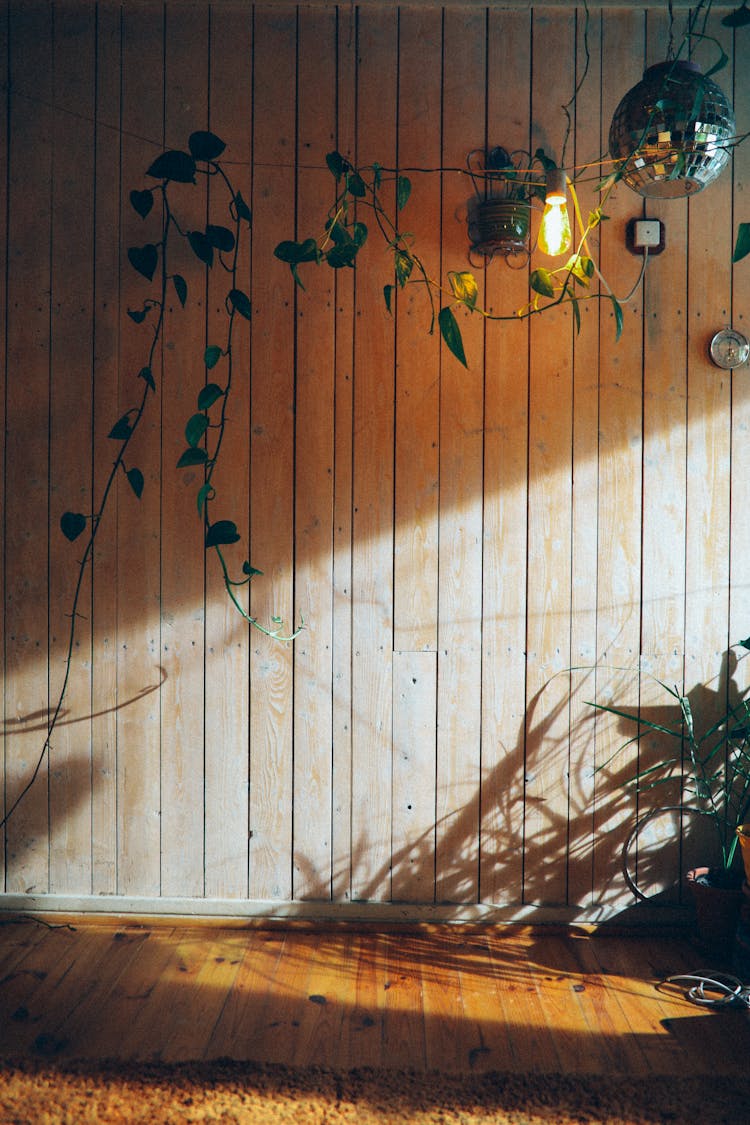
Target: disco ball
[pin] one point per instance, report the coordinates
(674, 130)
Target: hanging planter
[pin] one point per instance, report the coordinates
(501, 226)
(673, 130)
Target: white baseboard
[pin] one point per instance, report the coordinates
(385, 913)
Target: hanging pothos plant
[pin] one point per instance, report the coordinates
(218, 243)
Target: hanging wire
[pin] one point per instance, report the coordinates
(670, 40)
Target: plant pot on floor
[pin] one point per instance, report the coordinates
(717, 894)
(743, 835)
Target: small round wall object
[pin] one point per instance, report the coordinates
(729, 348)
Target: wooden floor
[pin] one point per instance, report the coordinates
(454, 998)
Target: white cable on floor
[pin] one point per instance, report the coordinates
(714, 989)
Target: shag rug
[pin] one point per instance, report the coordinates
(79, 1094)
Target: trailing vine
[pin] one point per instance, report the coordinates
(206, 428)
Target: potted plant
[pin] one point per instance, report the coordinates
(500, 219)
(711, 766)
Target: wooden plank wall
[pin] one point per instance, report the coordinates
(474, 552)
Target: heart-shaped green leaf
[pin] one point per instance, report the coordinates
(142, 202)
(205, 146)
(240, 302)
(180, 288)
(144, 259)
(192, 456)
(241, 209)
(220, 237)
(451, 333)
(148, 378)
(208, 396)
(72, 524)
(195, 429)
(135, 477)
(249, 570)
(174, 165)
(464, 288)
(356, 185)
(122, 429)
(742, 245)
(212, 355)
(403, 191)
(201, 247)
(740, 17)
(337, 165)
(222, 533)
(617, 309)
(541, 282)
(205, 492)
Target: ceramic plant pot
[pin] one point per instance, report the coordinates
(743, 835)
(717, 895)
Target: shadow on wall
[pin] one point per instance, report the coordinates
(592, 829)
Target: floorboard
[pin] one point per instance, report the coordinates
(456, 999)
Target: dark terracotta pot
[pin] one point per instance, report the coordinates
(717, 895)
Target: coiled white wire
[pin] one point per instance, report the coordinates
(713, 989)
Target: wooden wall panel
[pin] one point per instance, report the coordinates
(343, 514)
(272, 451)
(314, 455)
(138, 521)
(505, 496)
(618, 581)
(182, 557)
(477, 553)
(4, 76)
(585, 486)
(549, 526)
(27, 348)
(372, 476)
(227, 651)
(461, 452)
(105, 343)
(71, 288)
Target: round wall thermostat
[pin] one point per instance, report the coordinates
(729, 349)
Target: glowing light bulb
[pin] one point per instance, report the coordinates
(554, 234)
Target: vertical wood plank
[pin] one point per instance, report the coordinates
(372, 562)
(710, 672)
(227, 651)
(415, 557)
(505, 495)
(138, 529)
(106, 297)
(415, 562)
(314, 462)
(70, 435)
(664, 480)
(414, 734)
(461, 454)
(4, 233)
(581, 836)
(739, 475)
(271, 460)
(182, 556)
(26, 452)
(620, 476)
(550, 473)
(341, 829)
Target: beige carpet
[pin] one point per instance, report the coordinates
(77, 1094)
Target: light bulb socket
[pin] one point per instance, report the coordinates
(556, 190)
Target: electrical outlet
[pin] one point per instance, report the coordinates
(647, 233)
(643, 235)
